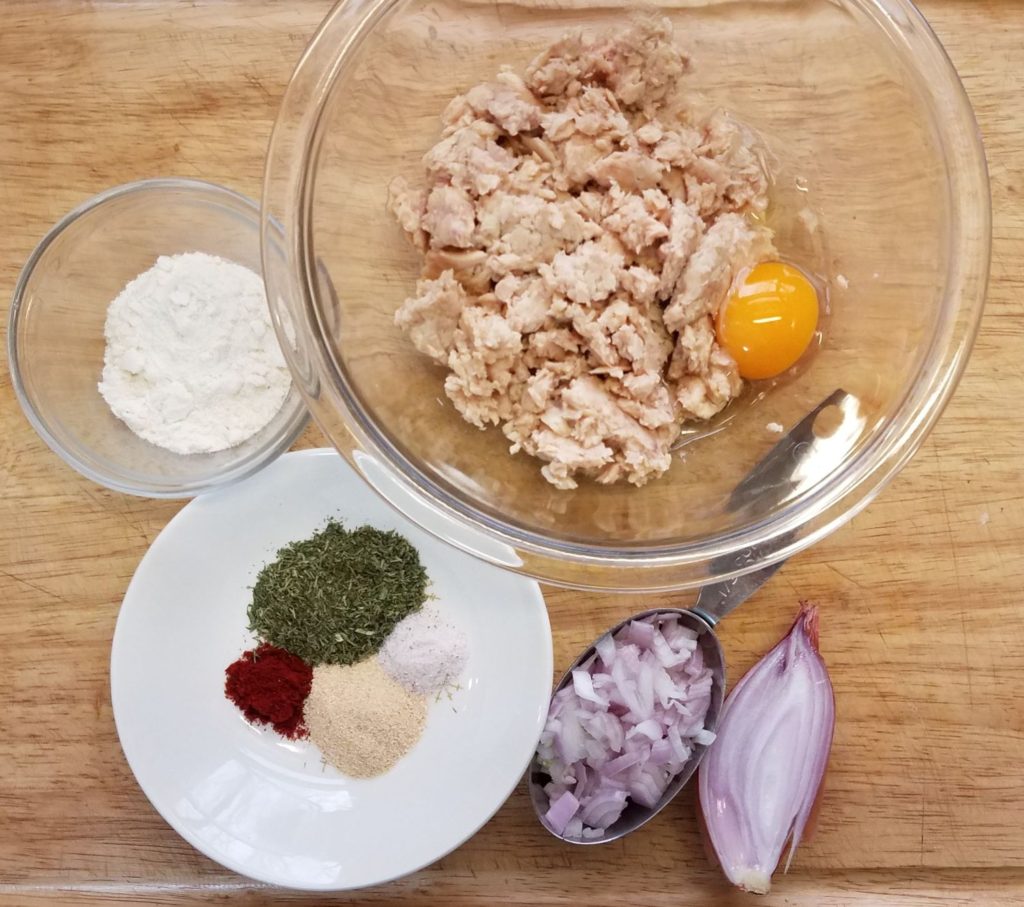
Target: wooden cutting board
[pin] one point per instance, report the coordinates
(923, 620)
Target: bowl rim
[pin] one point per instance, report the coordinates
(289, 188)
(246, 466)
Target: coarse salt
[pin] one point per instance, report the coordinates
(425, 653)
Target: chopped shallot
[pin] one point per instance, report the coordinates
(625, 726)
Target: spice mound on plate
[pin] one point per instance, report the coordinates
(270, 686)
(335, 597)
(425, 653)
(362, 720)
(192, 363)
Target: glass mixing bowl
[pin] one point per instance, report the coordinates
(880, 187)
(56, 343)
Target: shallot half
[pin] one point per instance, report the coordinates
(761, 778)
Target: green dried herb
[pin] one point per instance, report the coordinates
(334, 598)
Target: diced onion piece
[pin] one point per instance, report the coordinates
(621, 763)
(640, 633)
(695, 665)
(604, 808)
(583, 684)
(647, 787)
(570, 744)
(649, 728)
(680, 638)
(704, 737)
(666, 655)
(561, 811)
(606, 649)
(679, 749)
(662, 752)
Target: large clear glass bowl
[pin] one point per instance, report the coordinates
(871, 131)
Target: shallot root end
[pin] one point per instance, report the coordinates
(809, 616)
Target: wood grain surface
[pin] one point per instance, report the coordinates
(923, 623)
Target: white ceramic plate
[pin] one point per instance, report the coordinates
(267, 807)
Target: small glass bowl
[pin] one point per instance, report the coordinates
(56, 344)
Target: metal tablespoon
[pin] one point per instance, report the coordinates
(783, 472)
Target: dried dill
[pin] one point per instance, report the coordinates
(335, 597)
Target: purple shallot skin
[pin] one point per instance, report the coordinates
(760, 779)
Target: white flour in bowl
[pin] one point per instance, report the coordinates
(192, 363)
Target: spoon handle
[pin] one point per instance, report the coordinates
(774, 476)
(716, 600)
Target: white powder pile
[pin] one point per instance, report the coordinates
(192, 363)
(424, 652)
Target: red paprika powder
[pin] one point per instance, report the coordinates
(270, 686)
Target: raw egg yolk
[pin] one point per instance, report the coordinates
(769, 321)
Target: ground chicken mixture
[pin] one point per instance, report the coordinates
(580, 227)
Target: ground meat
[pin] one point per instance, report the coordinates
(506, 101)
(485, 361)
(704, 395)
(580, 226)
(685, 231)
(432, 315)
(640, 65)
(730, 245)
(587, 274)
(639, 221)
(408, 206)
(450, 217)
(521, 232)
